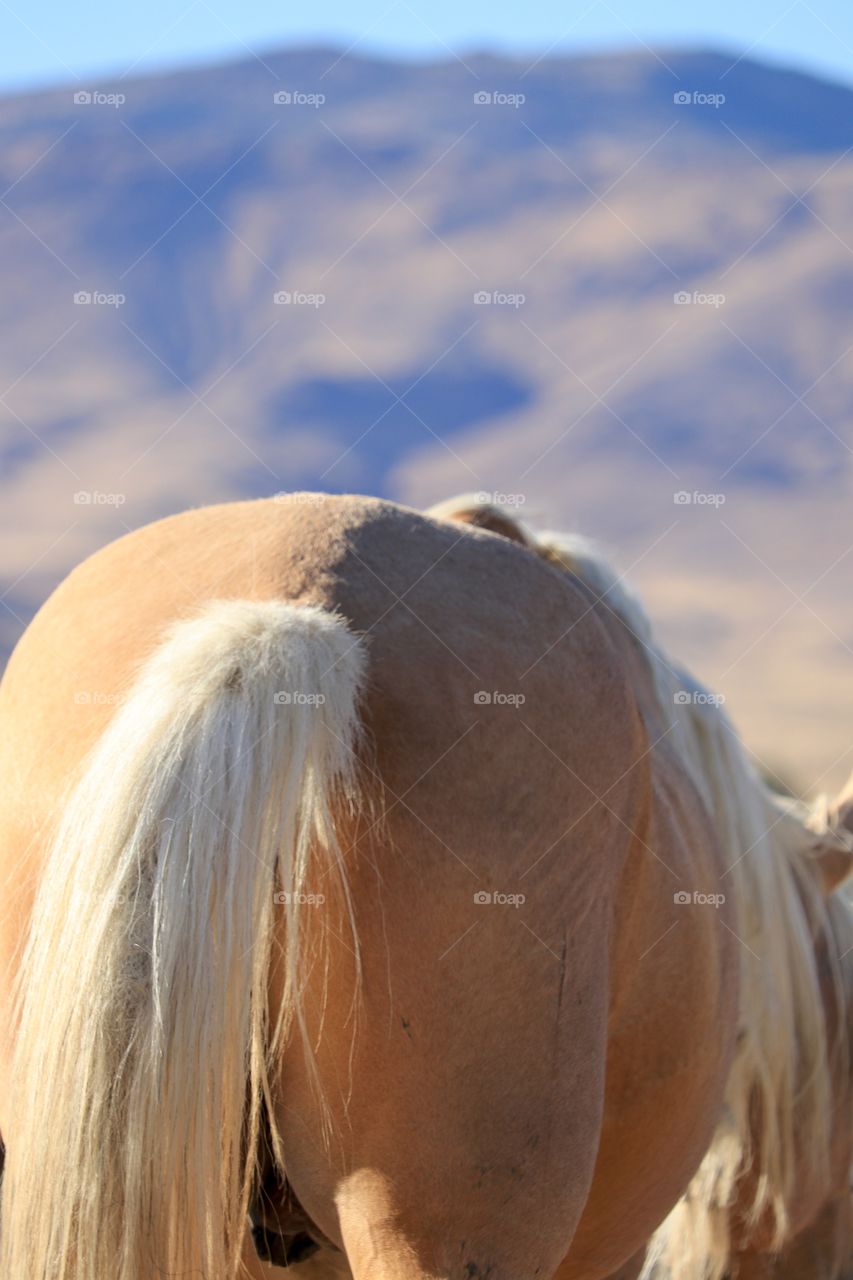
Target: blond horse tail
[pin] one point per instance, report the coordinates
(146, 1045)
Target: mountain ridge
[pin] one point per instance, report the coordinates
(666, 311)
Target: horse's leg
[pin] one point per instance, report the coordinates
(474, 1118)
(327, 1265)
(821, 1252)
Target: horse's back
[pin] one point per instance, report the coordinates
(448, 613)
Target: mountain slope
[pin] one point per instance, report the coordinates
(385, 200)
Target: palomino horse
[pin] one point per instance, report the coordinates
(373, 876)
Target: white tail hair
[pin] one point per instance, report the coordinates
(146, 1046)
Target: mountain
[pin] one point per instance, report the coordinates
(599, 285)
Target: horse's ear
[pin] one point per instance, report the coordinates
(473, 509)
(833, 862)
(833, 850)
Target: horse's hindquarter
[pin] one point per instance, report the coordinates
(670, 1048)
(673, 1015)
(469, 1106)
(477, 1080)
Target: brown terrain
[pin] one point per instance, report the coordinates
(381, 197)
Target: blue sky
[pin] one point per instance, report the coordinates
(45, 41)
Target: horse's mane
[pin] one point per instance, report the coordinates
(778, 1110)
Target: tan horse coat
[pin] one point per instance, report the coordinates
(525, 1090)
